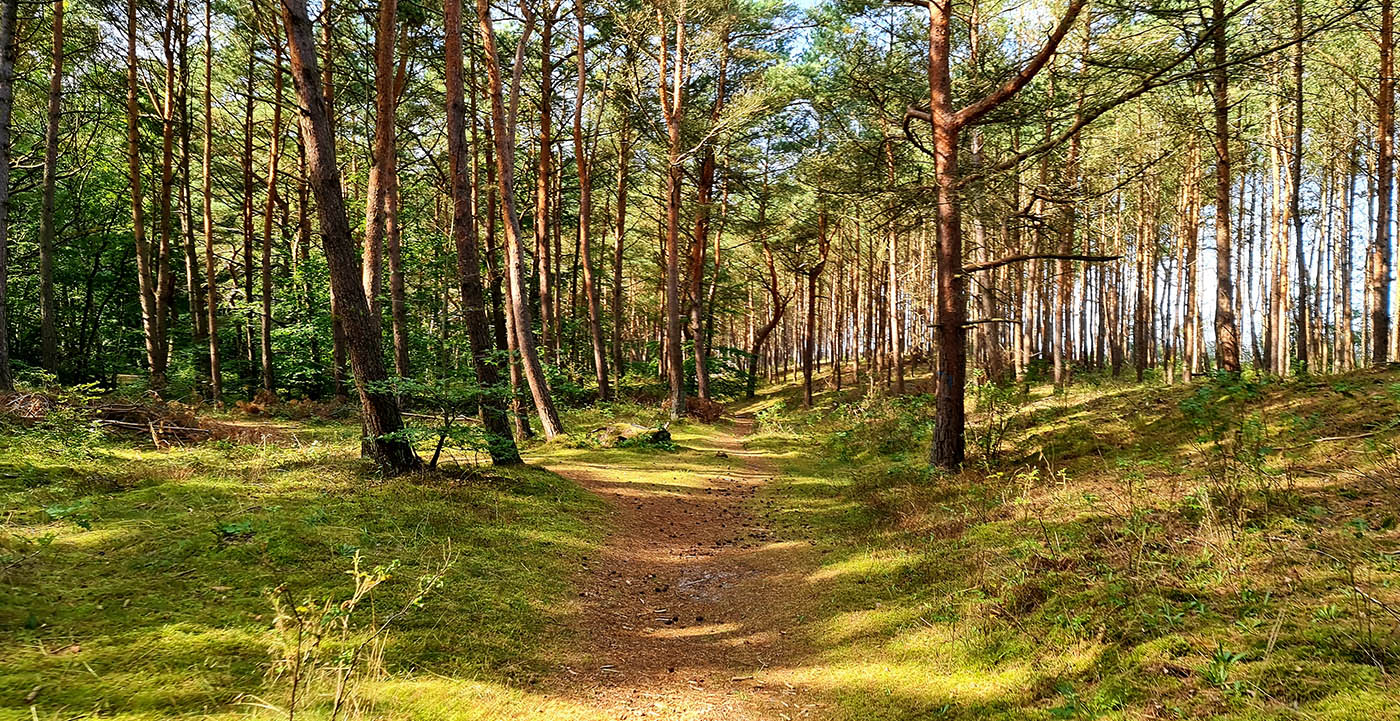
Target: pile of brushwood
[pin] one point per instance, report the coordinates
(163, 423)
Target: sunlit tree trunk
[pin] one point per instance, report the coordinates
(544, 174)
(503, 134)
(383, 156)
(1227, 332)
(585, 216)
(672, 100)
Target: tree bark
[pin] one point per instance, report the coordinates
(1380, 249)
(1227, 332)
(48, 324)
(383, 157)
(380, 411)
(9, 14)
(216, 376)
(543, 257)
(503, 135)
(672, 100)
(624, 164)
(150, 321)
(273, 155)
(1304, 318)
(809, 339)
(585, 215)
(501, 445)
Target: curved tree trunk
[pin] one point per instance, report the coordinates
(585, 215)
(503, 135)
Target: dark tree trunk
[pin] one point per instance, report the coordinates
(9, 14)
(464, 235)
(380, 412)
(48, 324)
(1380, 249)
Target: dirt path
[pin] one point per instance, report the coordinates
(691, 597)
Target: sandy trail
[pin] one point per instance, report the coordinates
(691, 596)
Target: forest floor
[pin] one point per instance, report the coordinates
(1115, 551)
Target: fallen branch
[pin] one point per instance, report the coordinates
(152, 427)
(1008, 260)
(1328, 439)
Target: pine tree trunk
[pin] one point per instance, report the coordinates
(380, 411)
(672, 109)
(273, 155)
(501, 445)
(145, 277)
(216, 376)
(1227, 333)
(48, 324)
(585, 217)
(9, 14)
(503, 135)
(1379, 280)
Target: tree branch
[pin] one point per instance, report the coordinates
(977, 109)
(1008, 260)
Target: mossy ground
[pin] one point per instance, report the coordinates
(1095, 567)
(136, 582)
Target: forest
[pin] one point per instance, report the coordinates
(699, 359)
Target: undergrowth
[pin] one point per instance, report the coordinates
(1227, 549)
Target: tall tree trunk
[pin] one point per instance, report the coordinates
(1380, 250)
(1346, 342)
(339, 361)
(145, 278)
(1304, 320)
(383, 157)
(1191, 239)
(9, 14)
(672, 99)
(48, 324)
(1227, 332)
(165, 282)
(247, 327)
(585, 215)
(216, 375)
(949, 443)
(543, 257)
(503, 135)
(273, 155)
(501, 445)
(809, 338)
(624, 164)
(380, 411)
(193, 290)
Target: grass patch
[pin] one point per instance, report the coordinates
(135, 583)
(1117, 558)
